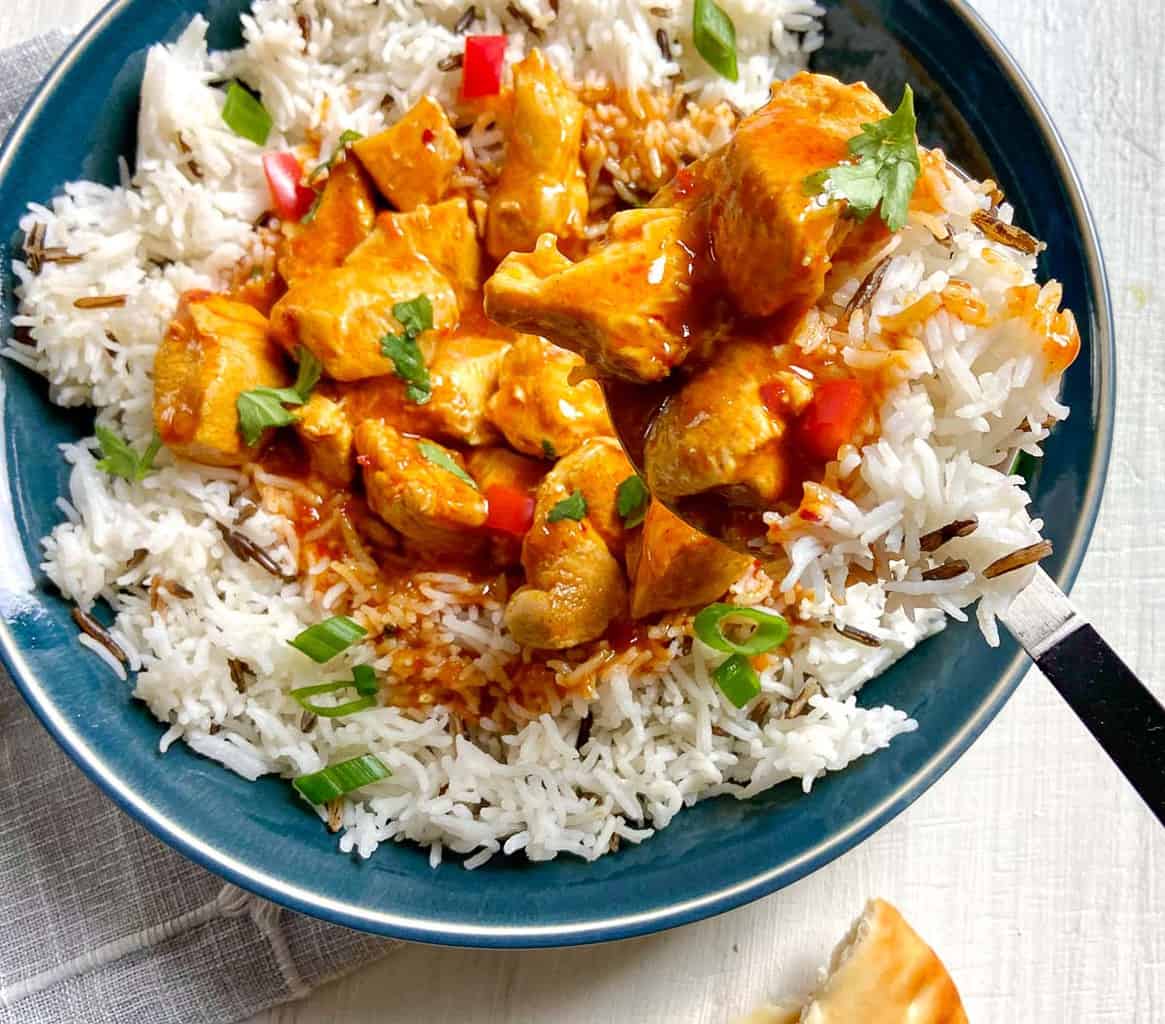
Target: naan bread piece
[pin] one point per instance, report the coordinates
(880, 973)
(883, 973)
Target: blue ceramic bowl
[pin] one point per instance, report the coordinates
(718, 855)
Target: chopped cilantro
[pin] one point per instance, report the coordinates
(119, 459)
(631, 501)
(415, 317)
(548, 449)
(261, 408)
(441, 458)
(574, 507)
(885, 170)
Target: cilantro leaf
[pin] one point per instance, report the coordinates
(437, 455)
(415, 317)
(409, 364)
(260, 408)
(631, 500)
(308, 374)
(119, 459)
(574, 507)
(885, 170)
(548, 449)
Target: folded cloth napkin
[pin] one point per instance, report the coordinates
(100, 921)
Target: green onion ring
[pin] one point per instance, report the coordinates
(323, 641)
(338, 779)
(771, 629)
(737, 680)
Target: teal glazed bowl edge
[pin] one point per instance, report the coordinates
(715, 856)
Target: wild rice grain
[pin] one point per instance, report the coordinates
(136, 558)
(1006, 234)
(98, 632)
(34, 247)
(947, 571)
(1020, 559)
(760, 711)
(797, 708)
(246, 550)
(858, 636)
(514, 11)
(868, 288)
(468, 18)
(664, 43)
(584, 731)
(239, 670)
(100, 301)
(934, 540)
(59, 254)
(451, 63)
(307, 721)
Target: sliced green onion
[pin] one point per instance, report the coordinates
(323, 641)
(771, 629)
(338, 779)
(363, 681)
(245, 115)
(334, 710)
(715, 38)
(737, 680)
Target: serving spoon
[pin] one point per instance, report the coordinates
(1115, 706)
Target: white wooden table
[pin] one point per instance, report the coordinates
(1031, 868)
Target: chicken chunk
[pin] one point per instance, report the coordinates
(341, 315)
(343, 219)
(774, 242)
(542, 187)
(214, 350)
(500, 467)
(326, 432)
(445, 235)
(726, 430)
(463, 372)
(674, 566)
(575, 585)
(427, 503)
(413, 161)
(537, 408)
(717, 433)
(627, 308)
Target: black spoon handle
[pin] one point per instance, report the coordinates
(1116, 707)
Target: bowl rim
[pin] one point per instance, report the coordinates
(687, 911)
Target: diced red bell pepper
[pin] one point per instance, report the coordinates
(832, 418)
(510, 510)
(291, 198)
(481, 69)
